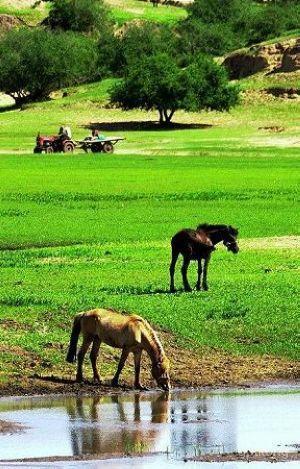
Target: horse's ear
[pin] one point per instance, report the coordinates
(233, 230)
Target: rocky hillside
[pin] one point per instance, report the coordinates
(282, 56)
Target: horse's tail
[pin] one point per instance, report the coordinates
(71, 356)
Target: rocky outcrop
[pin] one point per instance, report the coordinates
(280, 57)
(8, 22)
(240, 65)
(291, 59)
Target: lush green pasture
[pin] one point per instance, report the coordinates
(89, 199)
(121, 211)
(135, 9)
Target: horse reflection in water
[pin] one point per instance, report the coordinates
(151, 423)
(124, 430)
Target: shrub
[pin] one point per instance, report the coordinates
(77, 15)
(215, 39)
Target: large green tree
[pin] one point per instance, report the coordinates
(34, 62)
(157, 82)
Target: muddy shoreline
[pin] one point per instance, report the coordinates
(248, 456)
(10, 427)
(52, 387)
(190, 368)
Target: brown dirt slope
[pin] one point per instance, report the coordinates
(189, 367)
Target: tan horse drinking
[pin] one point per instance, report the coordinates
(129, 333)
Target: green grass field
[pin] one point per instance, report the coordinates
(83, 231)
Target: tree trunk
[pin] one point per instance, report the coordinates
(161, 117)
(165, 117)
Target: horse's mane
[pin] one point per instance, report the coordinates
(153, 337)
(208, 228)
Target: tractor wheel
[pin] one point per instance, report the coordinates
(96, 147)
(37, 150)
(49, 150)
(108, 147)
(68, 147)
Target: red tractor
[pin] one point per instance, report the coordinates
(56, 143)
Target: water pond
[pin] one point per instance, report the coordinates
(168, 427)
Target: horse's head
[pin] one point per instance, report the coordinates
(230, 239)
(160, 372)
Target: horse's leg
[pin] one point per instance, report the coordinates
(198, 285)
(175, 255)
(137, 370)
(93, 358)
(204, 282)
(124, 355)
(184, 268)
(87, 340)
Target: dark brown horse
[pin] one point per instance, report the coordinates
(198, 245)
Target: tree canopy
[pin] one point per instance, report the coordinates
(157, 82)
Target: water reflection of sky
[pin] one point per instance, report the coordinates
(186, 424)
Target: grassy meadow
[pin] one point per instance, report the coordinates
(81, 231)
(120, 13)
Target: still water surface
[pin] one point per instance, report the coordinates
(185, 423)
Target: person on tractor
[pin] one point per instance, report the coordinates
(65, 133)
(96, 135)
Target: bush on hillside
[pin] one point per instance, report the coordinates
(86, 16)
(34, 62)
(216, 11)
(157, 82)
(215, 39)
(218, 26)
(135, 41)
(147, 39)
(264, 23)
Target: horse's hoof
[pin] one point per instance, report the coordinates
(172, 290)
(205, 288)
(188, 289)
(114, 384)
(79, 379)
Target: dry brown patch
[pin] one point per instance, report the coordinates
(275, 242)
